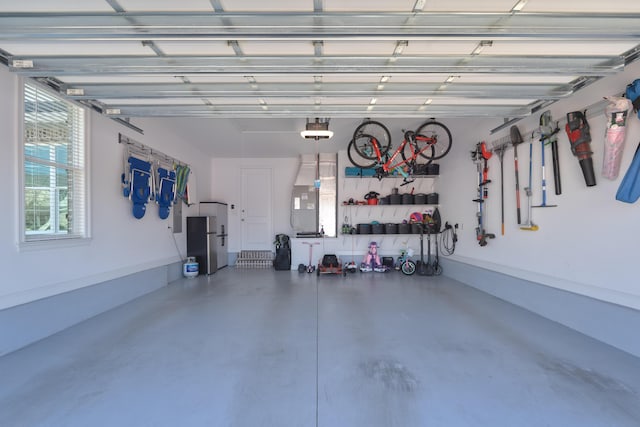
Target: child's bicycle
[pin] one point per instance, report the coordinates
(371, 144)
(405, 264)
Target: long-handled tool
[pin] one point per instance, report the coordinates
(529, 225)
(547, 134)
(516, 139)
(437, 268)
(429, 263)
(551, 134)
(423, 267)
(500, 150)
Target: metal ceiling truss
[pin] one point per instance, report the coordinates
(318, 25)
(334, 110)
(286, 89)
(39, 66)
(318, 97)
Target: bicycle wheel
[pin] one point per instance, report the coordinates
(408, 267)
(357, 160)
(365, 135)
(434, 131)
(414, 152)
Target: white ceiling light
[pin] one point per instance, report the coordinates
(317, 130)
(519, 6)
(425, 104)
(400, 47)
(383, 80)
(480, 47)
(252, 82)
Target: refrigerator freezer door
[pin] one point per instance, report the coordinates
(217, 209)
(212, 225)
(222, 219)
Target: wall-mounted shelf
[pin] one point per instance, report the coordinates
(391, 206)
(387, 234)
(390, 176)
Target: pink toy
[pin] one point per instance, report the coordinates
(371, 261)
(616, 113)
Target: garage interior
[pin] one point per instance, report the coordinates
(538, 327)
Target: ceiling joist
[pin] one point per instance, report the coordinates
(287, 110)
(38, 66)
(319, 25)
(422, 61)
(288, 90)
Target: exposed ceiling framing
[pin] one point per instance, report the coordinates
(331, 58)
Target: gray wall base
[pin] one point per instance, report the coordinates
(610, 323)
(27, 323)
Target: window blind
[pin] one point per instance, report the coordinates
(54, 167)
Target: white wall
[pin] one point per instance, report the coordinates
(227, 183)
(227, 187)
(588, 244)
(120, 244)
(585, 245)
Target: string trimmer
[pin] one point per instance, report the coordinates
(480, 156)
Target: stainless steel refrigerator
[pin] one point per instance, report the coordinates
(201, 242)
(218, 210)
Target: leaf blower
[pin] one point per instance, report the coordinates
(580, 138)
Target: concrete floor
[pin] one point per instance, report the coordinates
(266, 348)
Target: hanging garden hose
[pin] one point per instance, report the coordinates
(448, 239)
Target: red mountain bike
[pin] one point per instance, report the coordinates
(371, 144)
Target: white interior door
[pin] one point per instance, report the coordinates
(256, 211)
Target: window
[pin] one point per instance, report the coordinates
(54, 200)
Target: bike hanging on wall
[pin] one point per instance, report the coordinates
(371, 144)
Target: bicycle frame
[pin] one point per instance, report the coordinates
(389, 166)
(371, 147)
